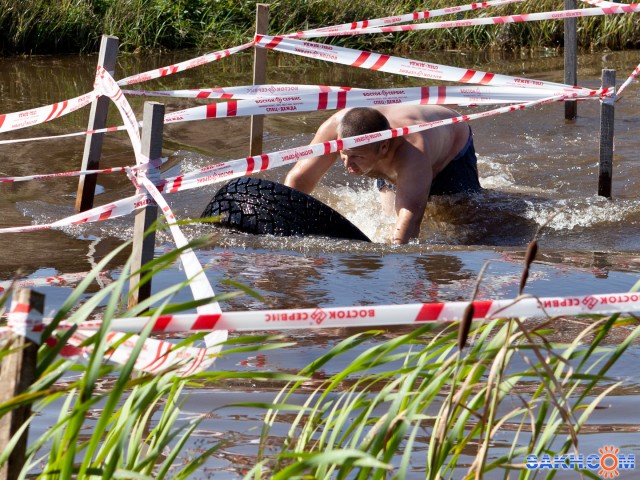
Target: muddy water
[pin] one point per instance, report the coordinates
(539, 173)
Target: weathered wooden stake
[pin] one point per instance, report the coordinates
(144, 246)
(570, 59)
(97, 120)
(18, 372)
(607, 110)
(259, 77)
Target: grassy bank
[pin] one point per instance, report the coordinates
(69, 26)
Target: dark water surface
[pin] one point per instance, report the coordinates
(532, 164)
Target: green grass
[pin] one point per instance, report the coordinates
(453, 389)
(52, 26)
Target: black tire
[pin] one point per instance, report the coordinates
(257, 206)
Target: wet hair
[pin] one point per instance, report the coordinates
(361, 120)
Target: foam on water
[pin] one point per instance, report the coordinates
(568, 214)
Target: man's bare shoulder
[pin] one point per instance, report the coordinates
(402, 115)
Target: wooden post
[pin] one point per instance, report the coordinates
(97, 120)
(570, 59)
(18, 372)
(259, 77)
(144, 246)
(607, 110)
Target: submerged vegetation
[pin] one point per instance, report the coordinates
(52, 26)
(419, 402)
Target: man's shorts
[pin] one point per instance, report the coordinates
(459, 176)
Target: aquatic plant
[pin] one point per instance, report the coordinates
(436, 400)
(426, 387)
(114, 422)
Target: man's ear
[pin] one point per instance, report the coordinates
(384, 147)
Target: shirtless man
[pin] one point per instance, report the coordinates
(409, 168)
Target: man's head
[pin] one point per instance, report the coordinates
(360, 121)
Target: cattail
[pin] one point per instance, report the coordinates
(529, 257)
(465, 325)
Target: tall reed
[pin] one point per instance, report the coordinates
(431, 401)
(43, 26)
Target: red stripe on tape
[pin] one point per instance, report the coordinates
(105, 215)
(54, 107)
(327, 148)
(442, 94)
(64, 107)
(274, 43)
(380, 62)
(361, 59)
(486, 78)
(21, 308)
(481, 308)
(203, 94)
(161, 323)
(467, 76)
(323, 99)
(2, 119)
(232, 108)
(342, 99)
(424, 95)
(212, 110)
(250, 164)
(206, 322)
(176, 184)
(429, 312)
(265, 162)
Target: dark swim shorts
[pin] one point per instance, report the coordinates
(459, 176)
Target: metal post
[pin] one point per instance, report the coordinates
(570, 59)
(18, 372)
(607, 110)
(144, 246)
(97, 120)
(259, 77)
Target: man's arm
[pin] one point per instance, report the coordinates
(413, 185)
(306, 174)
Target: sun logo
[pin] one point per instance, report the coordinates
(608, 462)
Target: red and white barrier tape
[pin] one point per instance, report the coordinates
(182, 66)
(62, 279)
(399, 65)
(246, 166)
(627, 82)
(155, 355)
(106, 85)
(35, 116)
(103, 212)
(524, 17)
(381, 315)
(409, 17)
(241, 92)
(477, 95)
(603, 3)
(43, 176)
(337, 97)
